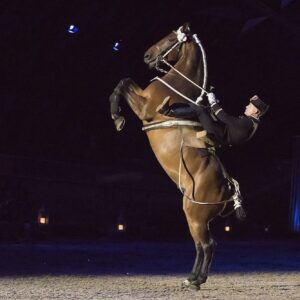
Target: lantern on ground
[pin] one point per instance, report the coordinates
(227, 228)
(43, 218)
(121, 225)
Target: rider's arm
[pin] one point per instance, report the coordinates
(221, 115)
(218, 111)
(239, 129)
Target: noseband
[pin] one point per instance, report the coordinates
(161, 58)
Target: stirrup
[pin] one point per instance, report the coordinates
(164, 106)
(237, 198)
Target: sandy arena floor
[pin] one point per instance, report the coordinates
(241, 270)
(230, 286)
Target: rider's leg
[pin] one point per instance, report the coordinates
(214, 128)
(176, 110)
(190, 111)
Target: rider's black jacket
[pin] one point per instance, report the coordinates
(227, 130)
(237, 130)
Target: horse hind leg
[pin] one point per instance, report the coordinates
(208, 246)
(205, 249)
(208, 249)
(197, 265)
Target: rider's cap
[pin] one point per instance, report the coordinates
(259, 104)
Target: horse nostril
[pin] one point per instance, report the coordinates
(146, 57)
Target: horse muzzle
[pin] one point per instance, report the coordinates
(119, 122)
(151, 63)
(150, 60)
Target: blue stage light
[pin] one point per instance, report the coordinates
(116, 46)
(73, 29)
(295, 187)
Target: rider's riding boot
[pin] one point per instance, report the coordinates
(185, 112)
(176, 110)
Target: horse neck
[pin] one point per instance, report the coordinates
(190, 64)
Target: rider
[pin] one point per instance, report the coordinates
(227, 130)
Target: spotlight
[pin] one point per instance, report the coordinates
(227, 228)
(116, 46)
(73, 29)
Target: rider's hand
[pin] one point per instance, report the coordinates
(212, 99)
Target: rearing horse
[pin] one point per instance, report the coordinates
(202, 178)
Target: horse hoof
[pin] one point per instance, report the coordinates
(186, 283)
(119, 123)
(194, 286)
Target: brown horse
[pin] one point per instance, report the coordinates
(202, 178)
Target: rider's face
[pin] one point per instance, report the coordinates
(250, 110)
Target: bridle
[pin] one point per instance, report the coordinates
(182, 38)
(161, 58)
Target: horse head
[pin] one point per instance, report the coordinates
(169, 47)
(182, 52)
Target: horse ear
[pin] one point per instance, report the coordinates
(186, 27)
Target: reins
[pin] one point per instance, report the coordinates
(173, 89)
(181, 37)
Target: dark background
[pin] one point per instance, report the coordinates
(59, 150)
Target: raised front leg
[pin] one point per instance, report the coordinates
(115, 108)
(132, 93)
